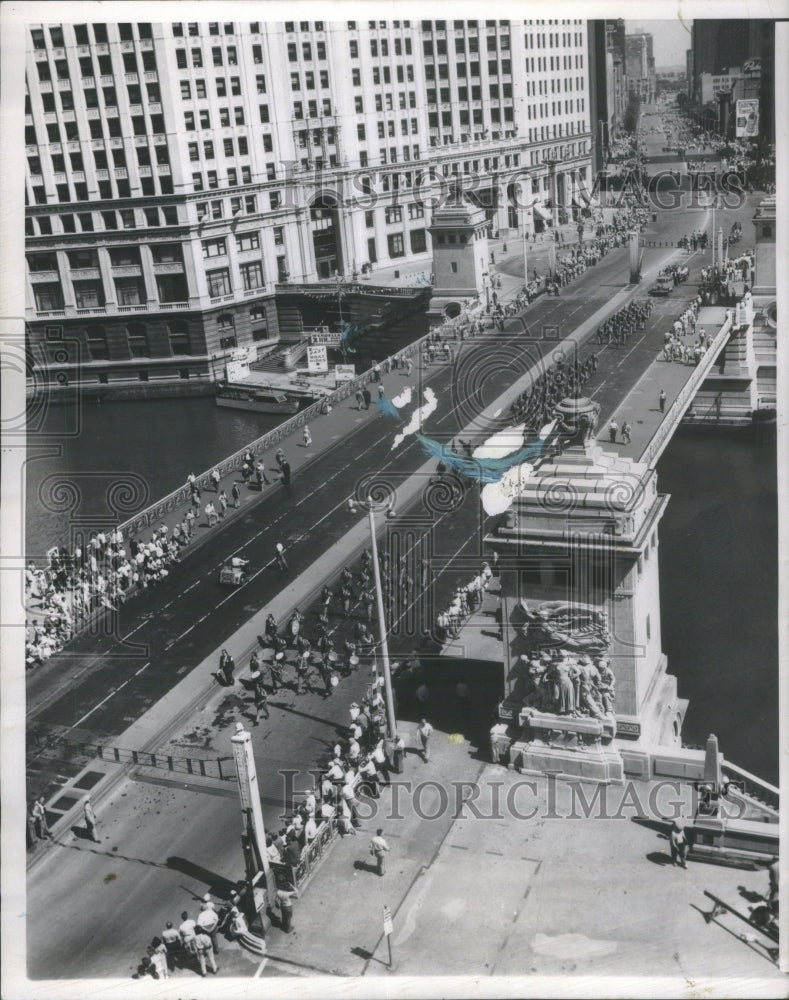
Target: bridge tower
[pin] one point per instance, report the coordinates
(459, 233)
(579, 555)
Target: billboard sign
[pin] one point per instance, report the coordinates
(747, 119)
(317, 359)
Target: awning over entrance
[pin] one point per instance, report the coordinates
(543, 213)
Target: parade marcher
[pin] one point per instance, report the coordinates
(260, 701)
(276, 672)
(379, 849)
(91, 822)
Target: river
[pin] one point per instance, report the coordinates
(718, 548)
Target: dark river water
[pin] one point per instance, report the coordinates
(718, 549)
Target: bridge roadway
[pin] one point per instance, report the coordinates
(162, 842)
(93, 690)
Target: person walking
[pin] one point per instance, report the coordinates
(223, 503)
(215, 477)
(282, 562)
(91, 822)
(613, 429)
(285, 899)
(204, 950)
(425, 730)
(306, 436)
(236, 492)
(359, 400)
(662, 400)
(379, 849)
(226, 667)
(40, 819)
(678, 844)
(211, 514)
(285, 469)
(260, 701)
(626, 428)
(368, 397)
(260, 475)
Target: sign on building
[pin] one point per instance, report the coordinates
(326, 337)
(747, 119)
(344, 373)
(317, 358)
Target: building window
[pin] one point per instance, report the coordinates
(219, 282)
(88, 294)
(137, 335)
(252, 275)
(396, 245)
(129, 292)
(172, 288)
(96, 341)
(48, 297)
(248, 241)
(178, 333)
(214, 248)
(418, 241)
(394, 213)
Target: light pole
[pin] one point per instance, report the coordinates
(531, 204)
(254, 831)
(371, 506)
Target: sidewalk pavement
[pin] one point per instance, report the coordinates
(640, 408)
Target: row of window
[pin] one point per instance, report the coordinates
(384, 75)
(41, 225)
(382, 47)
(471, 69)
(124, 256)
(222, 87)
(204, 118)
(82, 34)
(389, 128)
(439, 46)
(48, 296)
(306, 51)
(193, 29)
(230, 147)
(102, 66)
(309, 80)
(70, 132)
(244, 241)
(495, 91)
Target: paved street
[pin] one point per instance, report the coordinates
(158, 865)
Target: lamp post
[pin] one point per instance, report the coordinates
(254, 831)
(371, 506)
(525, 243)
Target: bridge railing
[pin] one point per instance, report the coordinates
(667, 426)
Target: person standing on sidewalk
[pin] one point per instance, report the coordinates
(425, 731)
(91, 822)
(172, 941)
(208, 921)
(662, 400)
(204, 949)
(40, 819)
(379, 849)
(285, 899)
(236, 492)
(626, 428)
(613, 428)
(306, 437)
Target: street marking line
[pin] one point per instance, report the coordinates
(260, 968)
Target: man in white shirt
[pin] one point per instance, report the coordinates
(208, 921)
(379, 849)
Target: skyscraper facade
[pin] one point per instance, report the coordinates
(177, 173)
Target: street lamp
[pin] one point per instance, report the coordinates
(371, 507)
(254, 831)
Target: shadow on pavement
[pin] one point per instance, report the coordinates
(217, 884)
(659, 858)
